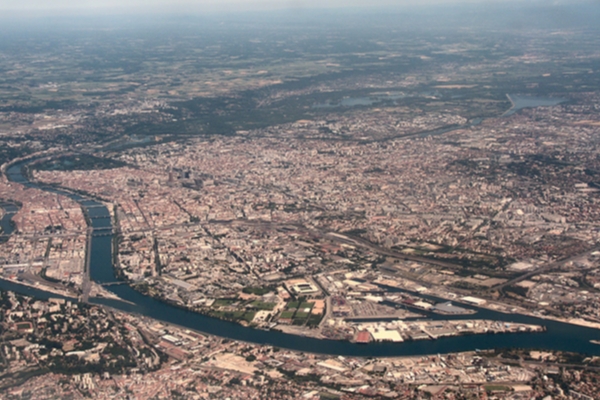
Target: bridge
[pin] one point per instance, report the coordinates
(94, 206)
(99, 217)
(113, 283)
(103, 233)
(102, 228)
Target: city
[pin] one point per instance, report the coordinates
(331, 214)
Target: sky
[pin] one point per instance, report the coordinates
(13, 11)
(169, 4)
(116, 5)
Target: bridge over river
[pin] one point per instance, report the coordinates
(558, 335)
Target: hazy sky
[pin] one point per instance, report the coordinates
(212, 4)
(148, 4)
(195, 7)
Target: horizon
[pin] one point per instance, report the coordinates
(407, 15)
(36, 8)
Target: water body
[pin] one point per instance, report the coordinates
(6, 222)
(520, 102)
(559, 336)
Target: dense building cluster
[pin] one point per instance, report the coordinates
(95, 352)
(206, 218)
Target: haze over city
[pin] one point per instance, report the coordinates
(200, 6)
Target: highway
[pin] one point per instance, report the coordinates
(554, 266)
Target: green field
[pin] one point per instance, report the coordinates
(287, 314)
(259, 291)
(247, 316)
(223, 302)
(262, 305)
(306, 305)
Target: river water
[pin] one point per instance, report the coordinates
(520, 102)
(5, 222)
(558, 336)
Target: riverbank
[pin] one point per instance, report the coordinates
(558, 336)
(484, 304)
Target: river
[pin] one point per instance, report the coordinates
(6, 221)
(558, 336)
(520, 102)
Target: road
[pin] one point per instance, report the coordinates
(335, 236)
(556, 265)
(396, 254)
(86, 285)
